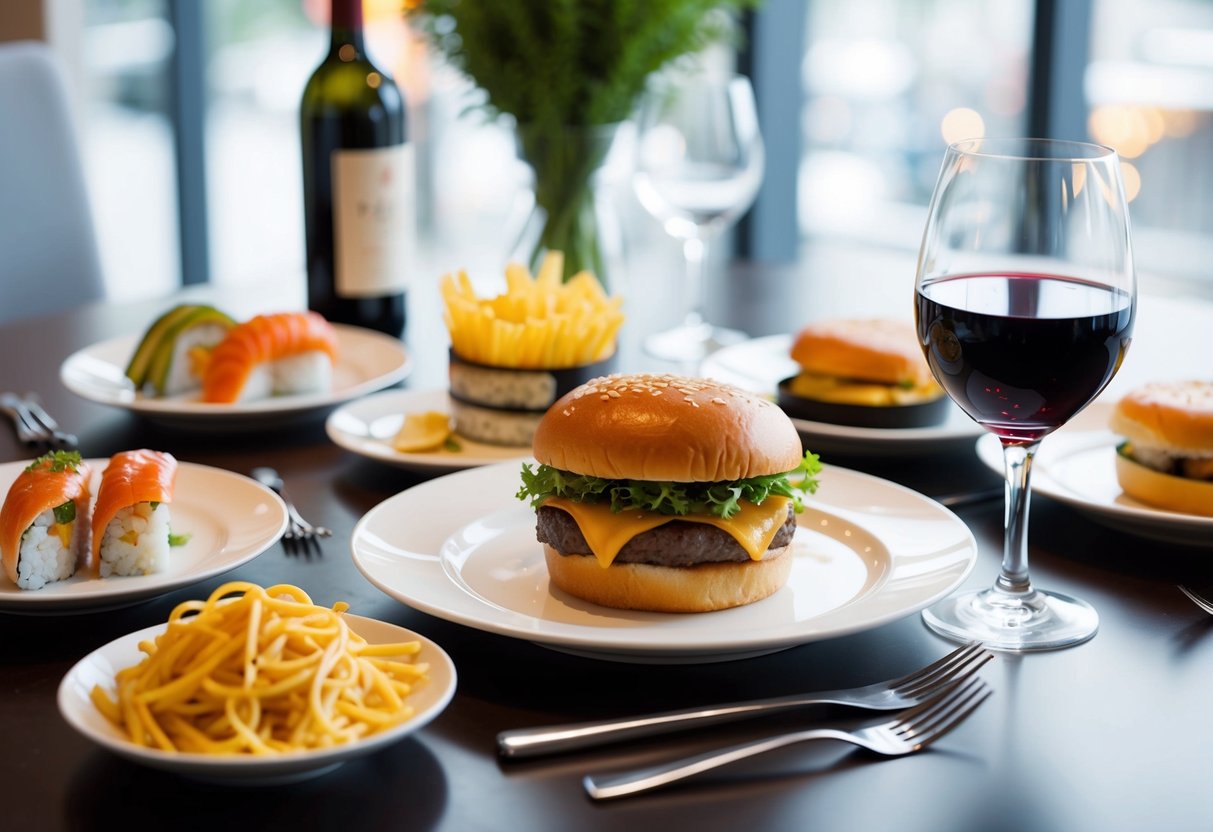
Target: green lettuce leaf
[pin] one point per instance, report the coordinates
(722, 499)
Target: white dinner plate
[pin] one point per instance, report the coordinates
(229, 518)
(101, 666)
(761, 363)
(1077, 466)
(463, 548)
(368, 425)
(366, 361)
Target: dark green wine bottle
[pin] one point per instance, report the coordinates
(358, 184)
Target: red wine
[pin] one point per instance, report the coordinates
(358, 174)
(1022, 353)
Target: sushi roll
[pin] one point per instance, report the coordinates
(172, 355)
(272, 355)
(44, 521)
(131, 517)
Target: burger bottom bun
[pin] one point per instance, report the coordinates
(917, 415)
(1164, 490)
(644, 586)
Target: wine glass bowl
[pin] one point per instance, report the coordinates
(699, 165)
(1025, 300)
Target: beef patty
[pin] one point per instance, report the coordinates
(677, 543)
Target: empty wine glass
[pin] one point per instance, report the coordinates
(1025, 301)
(699, 164)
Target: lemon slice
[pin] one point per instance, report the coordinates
(422, 431)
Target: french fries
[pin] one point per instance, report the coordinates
(539, 323)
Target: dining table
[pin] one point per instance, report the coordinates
(1112, 734)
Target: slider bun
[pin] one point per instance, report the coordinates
(880, 350)
(1164, 490)
(666, 427)
(644, 586)
(1174, 416)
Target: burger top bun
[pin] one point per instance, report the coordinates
(666, 427)
(879, 350)
(1175, 416)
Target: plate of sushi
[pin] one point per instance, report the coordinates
(197, 367)
(83, 535)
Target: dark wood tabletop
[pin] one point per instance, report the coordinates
(1110, 735)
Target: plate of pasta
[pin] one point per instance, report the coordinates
(293, 691)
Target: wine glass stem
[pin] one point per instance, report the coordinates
(694, 251)
(1017, 461)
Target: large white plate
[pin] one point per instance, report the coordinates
(462, 548)
(1077, 466)
(101, 666)
(366, 361)
(230, 519)
(367, 427)
(761, 363)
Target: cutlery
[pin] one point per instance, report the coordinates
(34, 426)
(895, 694)
(298, 528)
(911, 731)
(58, 438)
(1198, 598)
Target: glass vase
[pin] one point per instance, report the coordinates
(571, 211)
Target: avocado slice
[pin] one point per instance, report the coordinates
(137, 368)
(162, 356)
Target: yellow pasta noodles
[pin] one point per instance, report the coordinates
(255, 670)
(539, 323)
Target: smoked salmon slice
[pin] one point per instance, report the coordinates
(262, 340)
(131, 477)
(50, 481)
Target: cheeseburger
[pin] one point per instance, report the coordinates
(665, 493)
(866, 373)
(1166, 458)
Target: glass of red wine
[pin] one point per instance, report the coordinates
(1024, 302)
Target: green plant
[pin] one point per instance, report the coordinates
(564, 70)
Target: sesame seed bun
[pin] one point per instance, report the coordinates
(879, 350)
(1175, 416)
(666, 427)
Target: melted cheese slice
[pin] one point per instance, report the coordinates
(607, 532)
(848, 391)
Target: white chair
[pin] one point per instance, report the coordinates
(48, 246)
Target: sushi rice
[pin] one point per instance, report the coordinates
(50, 550)
(184, 373)
(136, 541)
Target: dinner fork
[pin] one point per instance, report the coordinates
(33, 425)
(911, 731)
(297, 527)
(892, 695)
(1198, 598)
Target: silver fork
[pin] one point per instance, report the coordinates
(911, 731)
(297, 528)
(893, 695)
(1198, 598)
(54, 436)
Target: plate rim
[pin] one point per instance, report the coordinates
(16, 601)
(176, 410)
(1067, 442)
(248, 767)
(789, 636)
(415, 461)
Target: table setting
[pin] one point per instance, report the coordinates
(540, 562)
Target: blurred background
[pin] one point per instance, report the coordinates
(188, 114)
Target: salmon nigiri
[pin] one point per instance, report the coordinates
(131, 517)
(282, 353)
(44, 520)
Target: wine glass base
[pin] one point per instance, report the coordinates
(1036, 621)
(691, 342)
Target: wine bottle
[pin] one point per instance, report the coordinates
(358, 184)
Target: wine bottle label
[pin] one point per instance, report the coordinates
(374, 224)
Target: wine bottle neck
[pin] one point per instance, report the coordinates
(347, 26)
